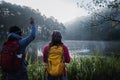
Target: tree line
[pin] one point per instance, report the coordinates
(103, 22)
(12, 14)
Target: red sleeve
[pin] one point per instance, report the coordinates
(45, 49)
(66, 54)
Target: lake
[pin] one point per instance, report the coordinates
(81, 47)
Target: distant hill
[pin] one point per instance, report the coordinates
(12, 14)
(83, 28)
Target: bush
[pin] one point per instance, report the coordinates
(94, 68)
(86, 68)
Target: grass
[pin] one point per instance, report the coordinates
(88, 68)
(94, 68)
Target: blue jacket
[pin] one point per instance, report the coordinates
(24, 41)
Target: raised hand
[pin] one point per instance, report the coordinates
(32, 20)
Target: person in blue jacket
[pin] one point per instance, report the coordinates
(16, 33)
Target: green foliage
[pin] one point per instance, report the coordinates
(35, 71)
(12, 14)
(36, 68)
(86, 68)
(94, 68)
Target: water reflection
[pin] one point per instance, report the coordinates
(39, 52)
(81, 47)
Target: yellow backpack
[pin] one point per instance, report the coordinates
(55, 64)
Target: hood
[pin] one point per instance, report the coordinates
(13, 35)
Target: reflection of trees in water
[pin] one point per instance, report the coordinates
(112, 47)
(80, 47)
(32, 52)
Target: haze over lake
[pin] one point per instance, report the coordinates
(81, 47)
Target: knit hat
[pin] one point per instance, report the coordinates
(56, 35)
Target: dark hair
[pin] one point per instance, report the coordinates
(56, 38)
(15, 29)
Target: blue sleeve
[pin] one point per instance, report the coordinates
(25, 41)
(15, 35)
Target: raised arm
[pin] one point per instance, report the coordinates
(25, 41)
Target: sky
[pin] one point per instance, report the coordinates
(62, 10)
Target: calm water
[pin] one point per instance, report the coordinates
(81, 47)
